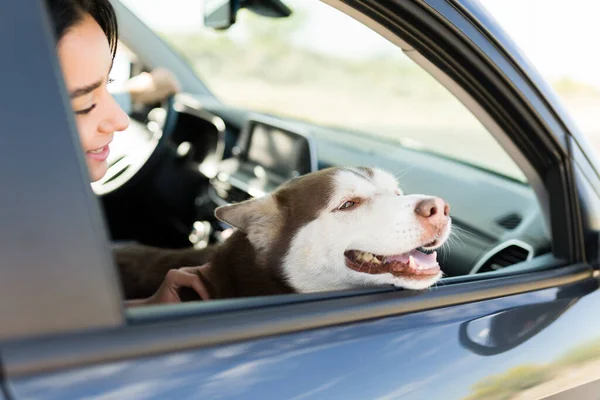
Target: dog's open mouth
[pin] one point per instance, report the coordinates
(414, 264)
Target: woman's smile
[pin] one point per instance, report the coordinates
(100, 154)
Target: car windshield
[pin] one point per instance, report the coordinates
(322, 67)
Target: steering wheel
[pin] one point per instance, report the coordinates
(135, 149)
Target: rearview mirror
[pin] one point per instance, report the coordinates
(220, 14)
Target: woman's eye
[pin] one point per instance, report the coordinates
(347, 205)
(86, 111)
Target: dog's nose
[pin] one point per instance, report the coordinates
(433, 207)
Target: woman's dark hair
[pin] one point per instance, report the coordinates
(67, 13)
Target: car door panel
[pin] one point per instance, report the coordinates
(539, 335)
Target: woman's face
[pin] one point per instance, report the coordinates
(86, 61)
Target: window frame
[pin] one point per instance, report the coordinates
(50, 204)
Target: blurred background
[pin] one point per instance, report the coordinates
(561, 40)
(321, 66)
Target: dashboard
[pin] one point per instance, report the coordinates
(267, 153)
(211, 155)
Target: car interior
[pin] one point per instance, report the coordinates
(181, 159)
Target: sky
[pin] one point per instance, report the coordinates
(560, 41)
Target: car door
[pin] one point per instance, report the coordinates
(527, 332)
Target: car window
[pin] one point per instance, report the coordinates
(323, 67)
(366, 103)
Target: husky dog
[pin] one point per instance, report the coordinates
(338, 228)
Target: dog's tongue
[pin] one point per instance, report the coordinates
(422, 260)
(425, 259)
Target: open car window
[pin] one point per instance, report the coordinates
(366, 102)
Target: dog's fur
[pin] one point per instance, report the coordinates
(297, 239)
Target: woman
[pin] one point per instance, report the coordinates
(86, 33)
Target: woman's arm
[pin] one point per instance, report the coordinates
(151, 275)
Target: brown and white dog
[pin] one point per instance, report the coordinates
(337, 228)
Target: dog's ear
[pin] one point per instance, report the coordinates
(259, 218)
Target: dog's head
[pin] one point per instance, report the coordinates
(341, 228)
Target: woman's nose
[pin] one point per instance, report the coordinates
(116, 119)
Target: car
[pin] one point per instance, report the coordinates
(513, 318)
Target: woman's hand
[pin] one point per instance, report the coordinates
(168, 290)
(152, 87)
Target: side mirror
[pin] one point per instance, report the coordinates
(220, 14)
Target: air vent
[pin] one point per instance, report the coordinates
(508, 253)
(510, 222)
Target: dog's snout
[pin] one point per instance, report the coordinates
(433, 207)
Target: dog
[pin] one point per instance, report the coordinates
(338, 228)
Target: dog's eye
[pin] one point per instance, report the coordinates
(347, 205)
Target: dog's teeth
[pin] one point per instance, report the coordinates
(364, 256)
